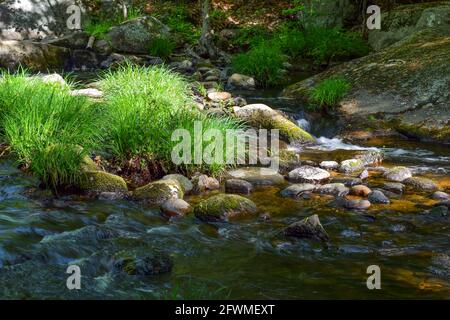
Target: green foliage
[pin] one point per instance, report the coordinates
(162, 47)
(145, 106)
(178, 20)
(327, 93)
(46, 127)
(264, 62)
(251, 36)
(324, 44)
(297, 7)
(291, 40)
(98, 28)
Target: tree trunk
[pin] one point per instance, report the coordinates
(206, 46)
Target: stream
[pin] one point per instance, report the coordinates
(40, 236)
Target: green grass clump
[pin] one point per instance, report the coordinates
(161, 47)
(99, 28)
(264, 62)
(324, 45)
(145, 106)
(48, 130)
(327, 93)
(291, 40)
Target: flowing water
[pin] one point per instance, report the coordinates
(40, 236)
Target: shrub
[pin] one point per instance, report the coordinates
(178, 20)
(145, 106)
(161, 47)
(250, 36)
(49, 130)
(327, 93)
(291, 41)
(263, 62)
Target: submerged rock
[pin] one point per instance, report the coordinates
(308, 174)
(224, 207)
(238, 186)
(309, 227)
(99, 182)
(262, 116)
(398, 174)
(356, 204)
(296, 190)
(421, 184)
(142, 263)
(394, 187)
(439, 195)
(158, 192)
(257, 176)
(376, 196)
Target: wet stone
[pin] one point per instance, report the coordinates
(378, 197)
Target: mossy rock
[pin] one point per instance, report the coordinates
(184, 182)
(158, 192)
(421, 184)
(224, 207)
(262, 116)
(100, 181)
(142, 263)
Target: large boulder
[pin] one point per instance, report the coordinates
(223, 207)
(35, 56)
(136, 35)
(415, 102)
(405, 20)
(31, 19)
(262, 116)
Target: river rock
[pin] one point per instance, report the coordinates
(219, 96)
(296, 190)
(257, 176)
(370, 157)
(224, 207)
(351, 165)
(309, 227)
(421, 184)
(239, 81)
(439, 211)
(329, 165)
(158, 192)
(394, 187)
(334, 189)
(175, 207)
(89, 92)
(398, 174)
(378, 197)
(35, 56)
(439, 195)
(99, 181)
(185, 182)
(238, 186)
(348, 181)
(308, 174)
(141, 263)
(202, 183)
(360, 190)
(54, 78)
(136, 35)
(364, 175)
(356, 204)
(263, 116)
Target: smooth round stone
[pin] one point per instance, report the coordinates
(257, 176)
(219, 96)
(308, 174)
(360, 190)
(334, 189)
(378, 197)
(297, 190)
(398, 174)
(357, 204)
(439, 195)
(175, 207)
(329, 165)
(89, 92)
(238, 186)
(394, 187)
(185, 182)
(421, 184)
